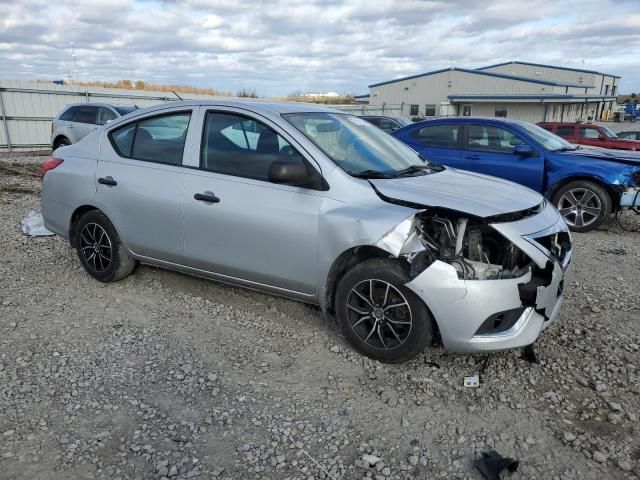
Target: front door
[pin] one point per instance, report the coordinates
(239, 224)
(490, 150)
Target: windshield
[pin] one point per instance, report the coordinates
(403, 121)
(610, 133)
(124, 110)
(358, 147)
(546, 139)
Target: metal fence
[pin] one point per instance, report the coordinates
(364, 109)
(27, 109)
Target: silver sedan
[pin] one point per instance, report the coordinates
(319, 206)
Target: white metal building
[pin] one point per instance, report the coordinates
(518, 90)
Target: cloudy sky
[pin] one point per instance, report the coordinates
(280, 46)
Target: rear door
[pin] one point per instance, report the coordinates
(489, 149)
(440, 142)
(139, 180)
(84, 121)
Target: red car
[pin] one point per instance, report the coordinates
(590, 134)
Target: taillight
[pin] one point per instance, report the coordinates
(50, 165)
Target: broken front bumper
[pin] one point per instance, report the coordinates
(520, 307)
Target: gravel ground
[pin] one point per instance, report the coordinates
(167, 376)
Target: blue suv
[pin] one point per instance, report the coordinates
(585, 184)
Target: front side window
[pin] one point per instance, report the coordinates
(438, 136)
(429, 110)
(610, 133)
(586, 132)
(414, 110)
(546, 140)
(157, 139)
(356, 146)
(86, 115)
(243, 147)
(105, 115)
(492, 139)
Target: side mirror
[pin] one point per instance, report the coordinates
(601, 137)
(524, 150)
(288, 172)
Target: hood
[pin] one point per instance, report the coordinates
(472, 193)
(619, 156)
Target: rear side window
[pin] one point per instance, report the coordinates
(158, 139)
(388, 124)
(564, 131)
(374, 120)
(86, 115)
(438, 136)
(68, 114)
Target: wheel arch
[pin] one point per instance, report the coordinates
(342, 264)
(58, 138)
(79, 212)
(614, 194)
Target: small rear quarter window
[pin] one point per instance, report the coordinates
(68, 114)
(122, 140)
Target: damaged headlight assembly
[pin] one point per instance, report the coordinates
(470, 245)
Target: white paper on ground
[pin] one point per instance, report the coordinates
(33, 225)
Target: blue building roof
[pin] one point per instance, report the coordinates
(532, 97)
(547, 66)
(478, 72)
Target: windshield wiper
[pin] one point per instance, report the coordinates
(412, 169)
(370, 174)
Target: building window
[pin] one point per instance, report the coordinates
(466, 110)
(429, 110)
(606, 89)
(613, 90)
(501, 111)
(414, 110)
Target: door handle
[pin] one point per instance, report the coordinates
(206, 197)
(473, 157)
(107, 181)
(69, 126)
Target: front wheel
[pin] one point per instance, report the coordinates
(381, 317)
(583, 204)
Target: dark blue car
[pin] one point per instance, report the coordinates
(586, 184)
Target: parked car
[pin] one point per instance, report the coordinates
(386, 123)
(590, 134)
(585, 184)
(77, 120)
(320, 206)
(631, 135)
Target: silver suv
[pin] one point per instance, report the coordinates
(319, 206)
(77, 120)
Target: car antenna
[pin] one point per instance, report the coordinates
(172, 91)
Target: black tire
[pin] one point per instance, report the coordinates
(583, 204)
(61, 142)
(394, 340)
(101, 252)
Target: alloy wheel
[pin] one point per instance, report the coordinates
(379, 314)
(96, 247)
(580, 207)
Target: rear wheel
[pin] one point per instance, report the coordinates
(61, 142)
(380, 316)
(583, 204)
(101, 252)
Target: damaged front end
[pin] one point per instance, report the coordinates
(491, 283)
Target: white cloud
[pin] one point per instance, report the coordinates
(280, 46)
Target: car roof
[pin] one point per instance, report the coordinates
(254, 105)
(94, 104)
(459, 119)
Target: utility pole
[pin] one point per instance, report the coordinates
(73, 55)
